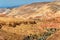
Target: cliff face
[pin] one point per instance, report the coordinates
(36, 21)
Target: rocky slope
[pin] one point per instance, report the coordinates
(36, 21)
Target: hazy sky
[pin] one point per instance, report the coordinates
(13, 3)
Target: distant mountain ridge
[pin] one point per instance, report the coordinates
(35, 9)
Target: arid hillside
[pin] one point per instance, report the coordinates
(36, 21)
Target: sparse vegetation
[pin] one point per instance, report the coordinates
(36, 21)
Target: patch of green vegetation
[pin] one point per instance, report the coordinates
(43, 36)
(48, 33)
(31, 37)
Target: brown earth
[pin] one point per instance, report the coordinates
(31, 19)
